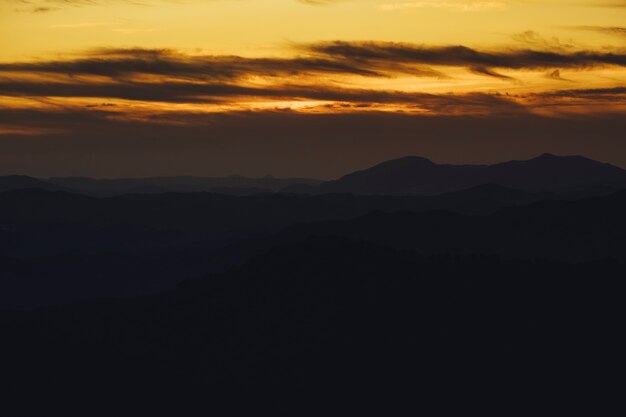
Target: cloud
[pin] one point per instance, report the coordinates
(603, 94)
(135, 30)
(37, 9)
(140, 82)
(556, 75)
(462, 6)
(536, 41)
(461, 56)
(323, 97)
(123, 62)
(615, 4)
(367, 59)
(42, 6)
(224, 94)
(81, 25)
(608, 30)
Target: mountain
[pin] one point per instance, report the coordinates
(144, 243)
(416, 175)
(233, 185)
(376, 304)
(37, 222)
(18, 182)
(588, 229)
(72, 247)
(330, 324)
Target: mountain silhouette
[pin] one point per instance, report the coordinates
(72, 247)
(37, 222)
(19, 182)
(416, 175)
(198, 303)
(588, 229)
(329, 323)
(569, 176)
(233, 185)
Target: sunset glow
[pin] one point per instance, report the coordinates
(164, 61)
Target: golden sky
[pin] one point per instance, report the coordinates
(169, 62)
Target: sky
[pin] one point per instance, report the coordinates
(316, 88)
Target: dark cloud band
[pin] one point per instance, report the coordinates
(369, 59)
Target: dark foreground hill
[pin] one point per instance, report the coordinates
(331, 325)
(415, 175)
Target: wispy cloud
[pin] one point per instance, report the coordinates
(617, 4)
(166, 76)
(608, 30)
(535, 40)
(461, 56)
(368, 59)
(37, 9)
(166, 62)
(328, 77)
(134, 30)
(461, 6)
(82, 25)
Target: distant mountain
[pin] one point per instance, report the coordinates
(63, 244)
(233, 185)
(142, 243)
(416, 175)
(18, 182)
(36, 222)
(569, 176)
(588, 229)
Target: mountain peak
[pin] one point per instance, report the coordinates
(413, 158)
(404, 162)
(418, 175)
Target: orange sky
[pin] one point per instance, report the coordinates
(162, 62)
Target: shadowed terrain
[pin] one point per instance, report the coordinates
(71, 247)
(158, 303)
(331, 323)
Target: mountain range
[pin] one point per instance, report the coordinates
(411, 175)
(232, 185)
(455, 288)
(416, 175)
(72, 247)
(330, 323)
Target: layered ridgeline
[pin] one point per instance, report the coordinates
(69, 246)
(409, 175)
(58, 245)
(416, 175)
(330, 323)
(98, 254)
(20, 182)
(232, 185)
(306, 303)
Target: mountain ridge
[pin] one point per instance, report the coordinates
(409, 175)
(417, 175)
